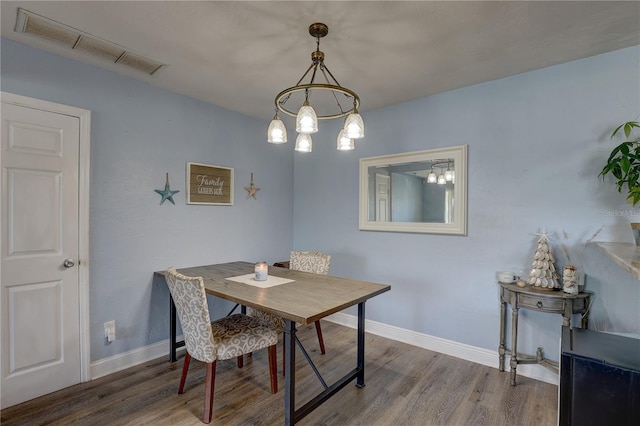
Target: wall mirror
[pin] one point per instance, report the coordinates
(422, 191)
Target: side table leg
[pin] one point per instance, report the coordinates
(513, 362)
(585, 314)
(503, 324)
(568, 311)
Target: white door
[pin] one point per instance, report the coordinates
(41, 294)
(382, 198)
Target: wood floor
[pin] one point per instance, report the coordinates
(405, 385)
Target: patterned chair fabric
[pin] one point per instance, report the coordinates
(310, 261)
(274, 321)
(225, 338)
(207, 341)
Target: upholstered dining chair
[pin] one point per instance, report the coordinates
(226, 338)
(312, 261)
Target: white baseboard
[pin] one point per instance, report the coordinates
(131, 358)
(444, 346)
(482, 356)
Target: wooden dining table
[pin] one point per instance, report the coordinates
(306, 298)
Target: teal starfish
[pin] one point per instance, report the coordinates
(167, 194)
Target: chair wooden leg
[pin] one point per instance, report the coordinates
(273, 368)
(208, 392)
(240, 361)
(185, 369)
(320, 340)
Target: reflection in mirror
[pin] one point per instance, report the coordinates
(421, 191)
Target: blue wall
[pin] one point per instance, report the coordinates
(536, 144)
(138, 133)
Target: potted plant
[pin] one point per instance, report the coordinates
(624, 165)
(624, 162)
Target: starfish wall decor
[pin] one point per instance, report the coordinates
(251, 189)
(167, 194)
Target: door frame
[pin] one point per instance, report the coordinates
(84, 160)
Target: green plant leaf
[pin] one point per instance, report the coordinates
(627, 127)
(634, 195)
(616, 130)
(617, 172)
(625, 164)
(615, 152)
(624, 148)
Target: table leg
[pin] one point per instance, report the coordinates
(290, 371)
(513, 362)
(172, 330)
(503, 325)
(360, 362)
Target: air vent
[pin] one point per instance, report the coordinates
(50, 30)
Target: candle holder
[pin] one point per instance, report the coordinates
(262, 271)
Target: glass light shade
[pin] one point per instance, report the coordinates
(448, 175)
(344, 143)
(276, 133)
(441, 179)
(306, 120)
(303, 143)
(354, 126)
(432, 178)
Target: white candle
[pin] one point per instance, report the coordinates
(261, 271)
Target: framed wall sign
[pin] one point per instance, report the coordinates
(212, 185)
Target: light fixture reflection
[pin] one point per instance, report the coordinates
(448, 175)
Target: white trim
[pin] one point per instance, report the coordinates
(448, 347)
(459, 224)
(84, 117)
(482, 356)
(131, 358)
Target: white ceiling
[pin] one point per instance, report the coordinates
(240, 54)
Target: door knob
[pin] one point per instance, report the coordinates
(68, 263)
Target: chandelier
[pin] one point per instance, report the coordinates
(331, 100)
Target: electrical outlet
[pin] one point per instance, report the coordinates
(110, 330)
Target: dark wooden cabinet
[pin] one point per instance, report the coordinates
(599, 379)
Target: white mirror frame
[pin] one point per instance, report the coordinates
(459, 224)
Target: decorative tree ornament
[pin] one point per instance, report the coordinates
(543, 275)
(251, 189)
(167, 194)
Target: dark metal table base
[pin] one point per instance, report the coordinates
(291, 415)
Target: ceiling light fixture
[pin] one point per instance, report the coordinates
(324, 95)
